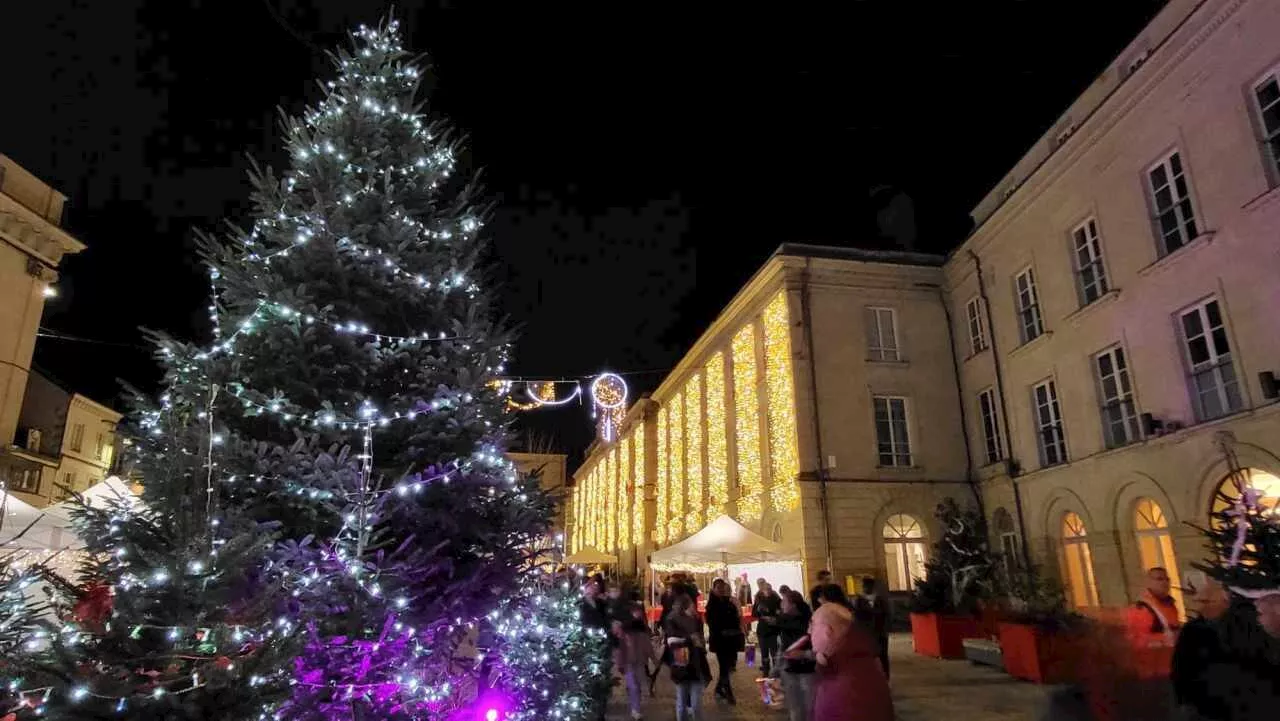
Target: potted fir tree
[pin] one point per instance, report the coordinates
(1039, 635)
(959, 576)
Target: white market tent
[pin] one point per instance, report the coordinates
(726, 542)
(588, 556)
(50, 529)
(16, 515)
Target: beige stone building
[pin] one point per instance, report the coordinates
(1082, 366)
(68, 438)
(552, 474)
(32, 245)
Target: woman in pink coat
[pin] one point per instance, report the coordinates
(849, 684)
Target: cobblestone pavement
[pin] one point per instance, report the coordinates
(924, 689)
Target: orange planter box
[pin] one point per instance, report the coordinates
(942, 636)
(1038, 656)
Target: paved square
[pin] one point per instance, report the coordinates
(924, 689)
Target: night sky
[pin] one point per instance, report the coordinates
(644, 162)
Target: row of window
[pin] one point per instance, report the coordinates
(1212, 382)
(76, 442)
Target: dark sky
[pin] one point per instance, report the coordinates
(645, 161)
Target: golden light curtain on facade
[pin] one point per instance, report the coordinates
(623, 450)
(664, 479)
(717, 438)
(638, 526)
(575, 538)
(622, 509)
(695, 502)
(675, 496)
(610, 466)
(746, 413)
(784, 457)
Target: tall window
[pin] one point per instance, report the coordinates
(1214, 388)
(68, 485)
(977, 326)
(1267, 485)
(1077, 563)
(1052, 439)
(77, 437)
(1030, 324)
(101, 447)
(1007, 535)
(1171, 199)
(1091, 275)
(991, 439)
(1155, 544)
(904, 551)
(892, 440)
(882, 334)
(1119, 415)
(26, 480)
(1267, 96)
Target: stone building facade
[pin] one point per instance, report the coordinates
(1087, 366)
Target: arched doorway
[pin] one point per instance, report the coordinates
(1077, 562)
(904, 551)
(1155, 545)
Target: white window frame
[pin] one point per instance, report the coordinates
(973, 311)
(1027, 301)
(1184, 208)
(1086, 257)
(1218, 368)
(877, 349)
(897, 449)
(989, 421)
(77, 437)
(1269, 138)
(1051, 435)
(1118, 409)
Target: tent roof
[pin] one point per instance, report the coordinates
(724, 540)
(587, 556)
(97, 495)
(15, 515)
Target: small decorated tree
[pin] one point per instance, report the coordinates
(961, 571)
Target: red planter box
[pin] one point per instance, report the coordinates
(1034, 655)
(942, 636)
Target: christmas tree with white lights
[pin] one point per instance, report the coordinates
(328, 528)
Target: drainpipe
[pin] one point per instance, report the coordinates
(964, 416)
(807, 319)
(1011, 465)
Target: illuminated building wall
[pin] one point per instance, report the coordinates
(695, 502)
(607, 484)
(784, 457)
(746, 412)
(663, 480)
(638, 527)
(623, 484)
(675, 494)
(717, 438)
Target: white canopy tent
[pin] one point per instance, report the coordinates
(16, 515)
(49, 530)
(725, 542)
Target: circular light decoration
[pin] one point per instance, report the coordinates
(609, 399)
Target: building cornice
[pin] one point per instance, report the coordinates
(25, 230)
(1166, 56)
(99, 409)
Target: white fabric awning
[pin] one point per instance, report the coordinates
(16, 515)
(724, 541)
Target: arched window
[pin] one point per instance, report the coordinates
(1007, 535)
(1155, 545)
(777, 533)
(1077, 562)
(1266, 483)
(904, 551)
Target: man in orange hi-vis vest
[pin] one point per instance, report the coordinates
(1154, 620)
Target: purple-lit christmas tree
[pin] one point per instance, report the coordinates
(328, 527)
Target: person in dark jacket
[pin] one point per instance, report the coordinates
(765, 609)
(1198, 656)
(724, 620)
(796, 665)
(594, 613)
(686, 654)
(872, 607)
(824, 580)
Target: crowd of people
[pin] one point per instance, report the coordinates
(829, 653)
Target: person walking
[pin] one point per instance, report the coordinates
(724, 619)
(1199, 660)
(594, 613)
(848, 684)
(765, 610)
(875, 608)
(633, 655)
(686, 653)
(1156, 620)
(796, 664)
(824, 580)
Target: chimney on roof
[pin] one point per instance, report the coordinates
(895, 216)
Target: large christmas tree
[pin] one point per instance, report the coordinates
(328, 528)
